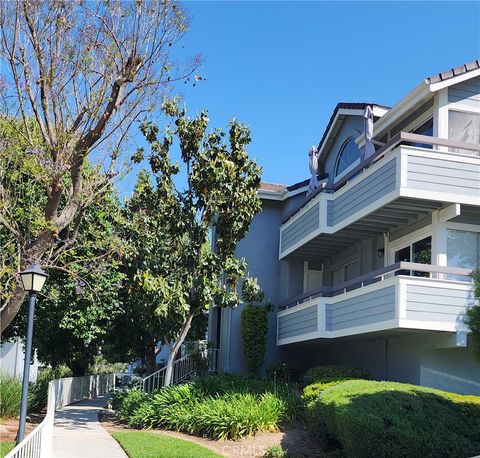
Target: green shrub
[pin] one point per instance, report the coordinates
(387, 419)
(312, 391)
(10, 396)
(125, 402)
(275, 452)
(278, 372)
(332, 373)
(221, 407)
(254, 333)
(473, 315)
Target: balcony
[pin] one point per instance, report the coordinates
(395, 187)
(434, 299)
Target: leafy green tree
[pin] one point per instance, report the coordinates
(80, 298)
(473, 314)
(216, 204)
(77, 76)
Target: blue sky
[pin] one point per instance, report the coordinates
(281, 67)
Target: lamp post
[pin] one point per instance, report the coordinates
(33, 279)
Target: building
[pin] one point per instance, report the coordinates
(12, 358)
(371, 269)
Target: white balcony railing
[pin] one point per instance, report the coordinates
(382, 300)
(447, 172)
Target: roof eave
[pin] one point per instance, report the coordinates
(420, 92)
(436, 86)
(280, 195)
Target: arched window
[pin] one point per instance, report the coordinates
(348, 155)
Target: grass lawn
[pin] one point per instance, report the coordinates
(5, 447)
(139, 444)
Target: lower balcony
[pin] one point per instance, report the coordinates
(401, 296)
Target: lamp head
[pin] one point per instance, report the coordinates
(33, 278)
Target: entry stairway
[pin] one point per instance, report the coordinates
(184, 369)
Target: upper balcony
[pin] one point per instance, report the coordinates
(433, 298)
(399, 184)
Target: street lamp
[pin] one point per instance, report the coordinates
(33, 279)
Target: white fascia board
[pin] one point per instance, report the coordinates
(379, 111)
(434, 87)
(431, 325)
(340, 112)
(280, 195)
(270, 195)
(422, 91)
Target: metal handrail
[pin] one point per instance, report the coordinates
(154, 381)
(371, 277)
(183, 369)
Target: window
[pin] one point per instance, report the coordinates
(463, 250)
(347, 157)
(419, 252)
(425, 129)
(464, 127)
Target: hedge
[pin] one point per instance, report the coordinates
(330, 373)
(388, 419)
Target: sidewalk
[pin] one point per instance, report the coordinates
(77, 432)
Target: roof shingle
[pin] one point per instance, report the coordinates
(442, 76)
(265, 186)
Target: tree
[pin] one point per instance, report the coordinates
(80, 298)
(79, 75)
(473, 314)
(137, 332)
(218, 202)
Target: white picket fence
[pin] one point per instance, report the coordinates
(61, 392)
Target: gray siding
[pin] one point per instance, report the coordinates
(298, 323)
(467, 92)
(372, 307)
(431, 174)
(364, 193)
(432, 303)
(305, 224)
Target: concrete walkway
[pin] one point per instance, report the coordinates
(77, 432)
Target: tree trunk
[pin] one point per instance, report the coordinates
(150, 359)
(174, 350)
(35, 252)
(8, 314)
(78, 368)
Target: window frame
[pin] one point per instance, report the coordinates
(337, 176)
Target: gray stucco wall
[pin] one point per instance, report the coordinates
(366, 254)
(417, 358)
(260, 248)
